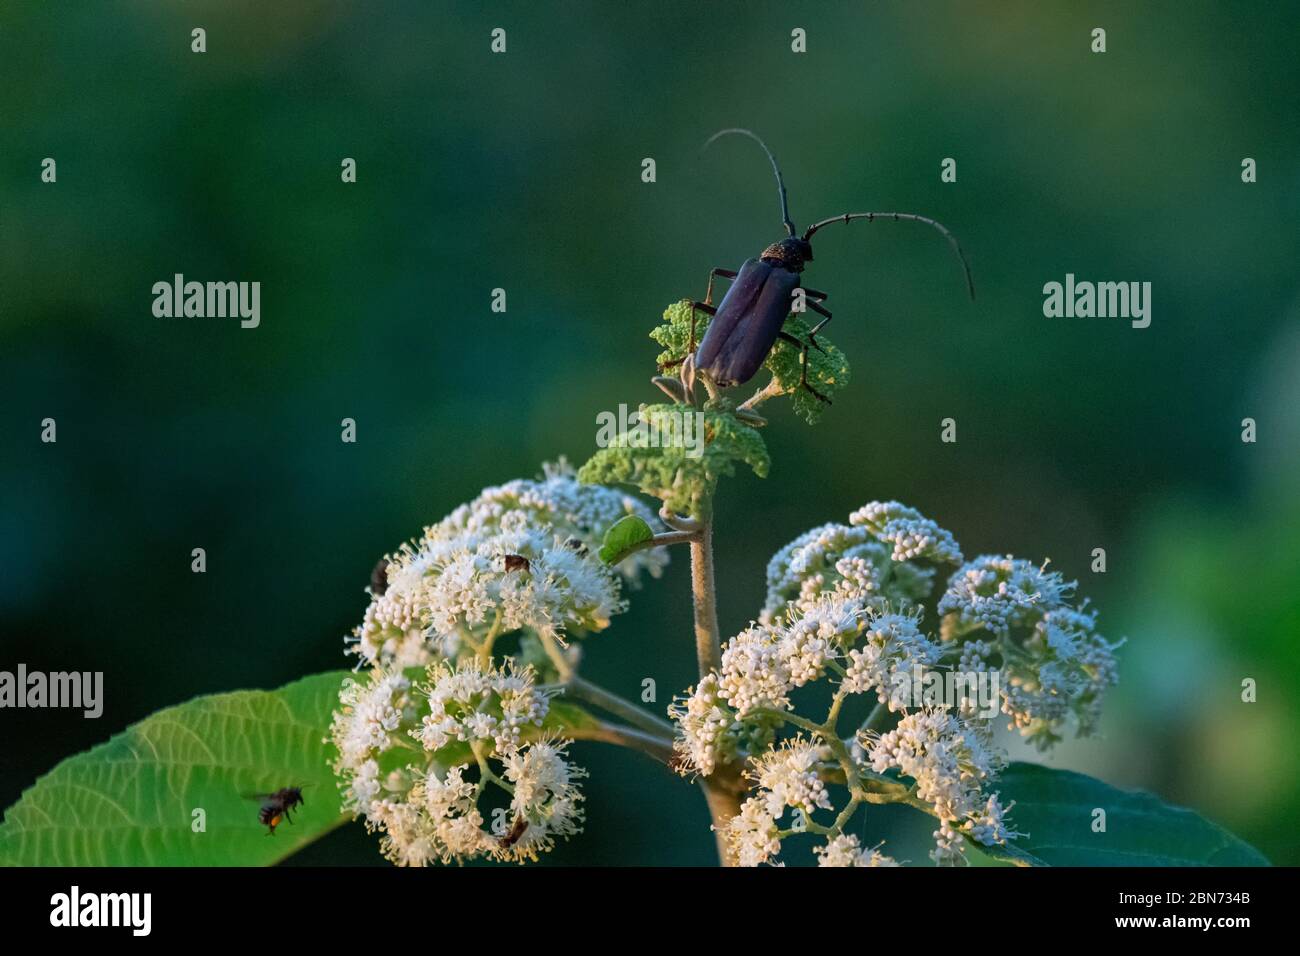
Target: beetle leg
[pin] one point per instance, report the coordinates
(803, 365)
(814, 294)
(822, 310)
(690, 348)
(717, 274)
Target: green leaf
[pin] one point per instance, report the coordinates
(1055, 809)
(129, 802)
(623, 537)
(681, 466)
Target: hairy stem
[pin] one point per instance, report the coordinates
(723, 789)
(771, 390)
(583, 689)
(879, 714)
(723, 797)
(658, 747)
(562, 665)
(708, 642)
(618, 706)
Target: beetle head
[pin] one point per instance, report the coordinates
(790, 253)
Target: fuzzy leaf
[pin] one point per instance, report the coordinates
(674, 333)
(682, 466)
(623, 536)
(828, 370)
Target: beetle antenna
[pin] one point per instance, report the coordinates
(780, 183)
(901, 217)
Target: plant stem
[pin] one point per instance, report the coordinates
(678, 522)
(770, 390)
(595, 694)
(708, 643)
(785, 716)
(618, 706)
(722, 790)
(652, 745)
(556, 653)
(724, 803)
(662, 539)
(879, 714)
(484, 650)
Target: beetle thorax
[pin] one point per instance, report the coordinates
(789, 253)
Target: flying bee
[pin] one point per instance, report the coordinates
(517, 562)
(513, 835)
(276, 806)
(379, 578)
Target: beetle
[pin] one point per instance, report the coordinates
(748, 322)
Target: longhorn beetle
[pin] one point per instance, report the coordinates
(749, 320)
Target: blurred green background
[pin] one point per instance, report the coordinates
(523, 171)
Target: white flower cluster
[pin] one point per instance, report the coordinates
(752, 835)
(371, 721)
(951, 761)
(998, 594)
(731, 713)
(1064, 669)
(851, 562)
(845, 850)
(763, 663)
(845, 604)
(709, 732)
(912, 535)
(558, 500)
(786, 777)
(468, 703)
(1053, 664)
(439, 748)
(518, 557)
(478, 730)
(893, 645)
